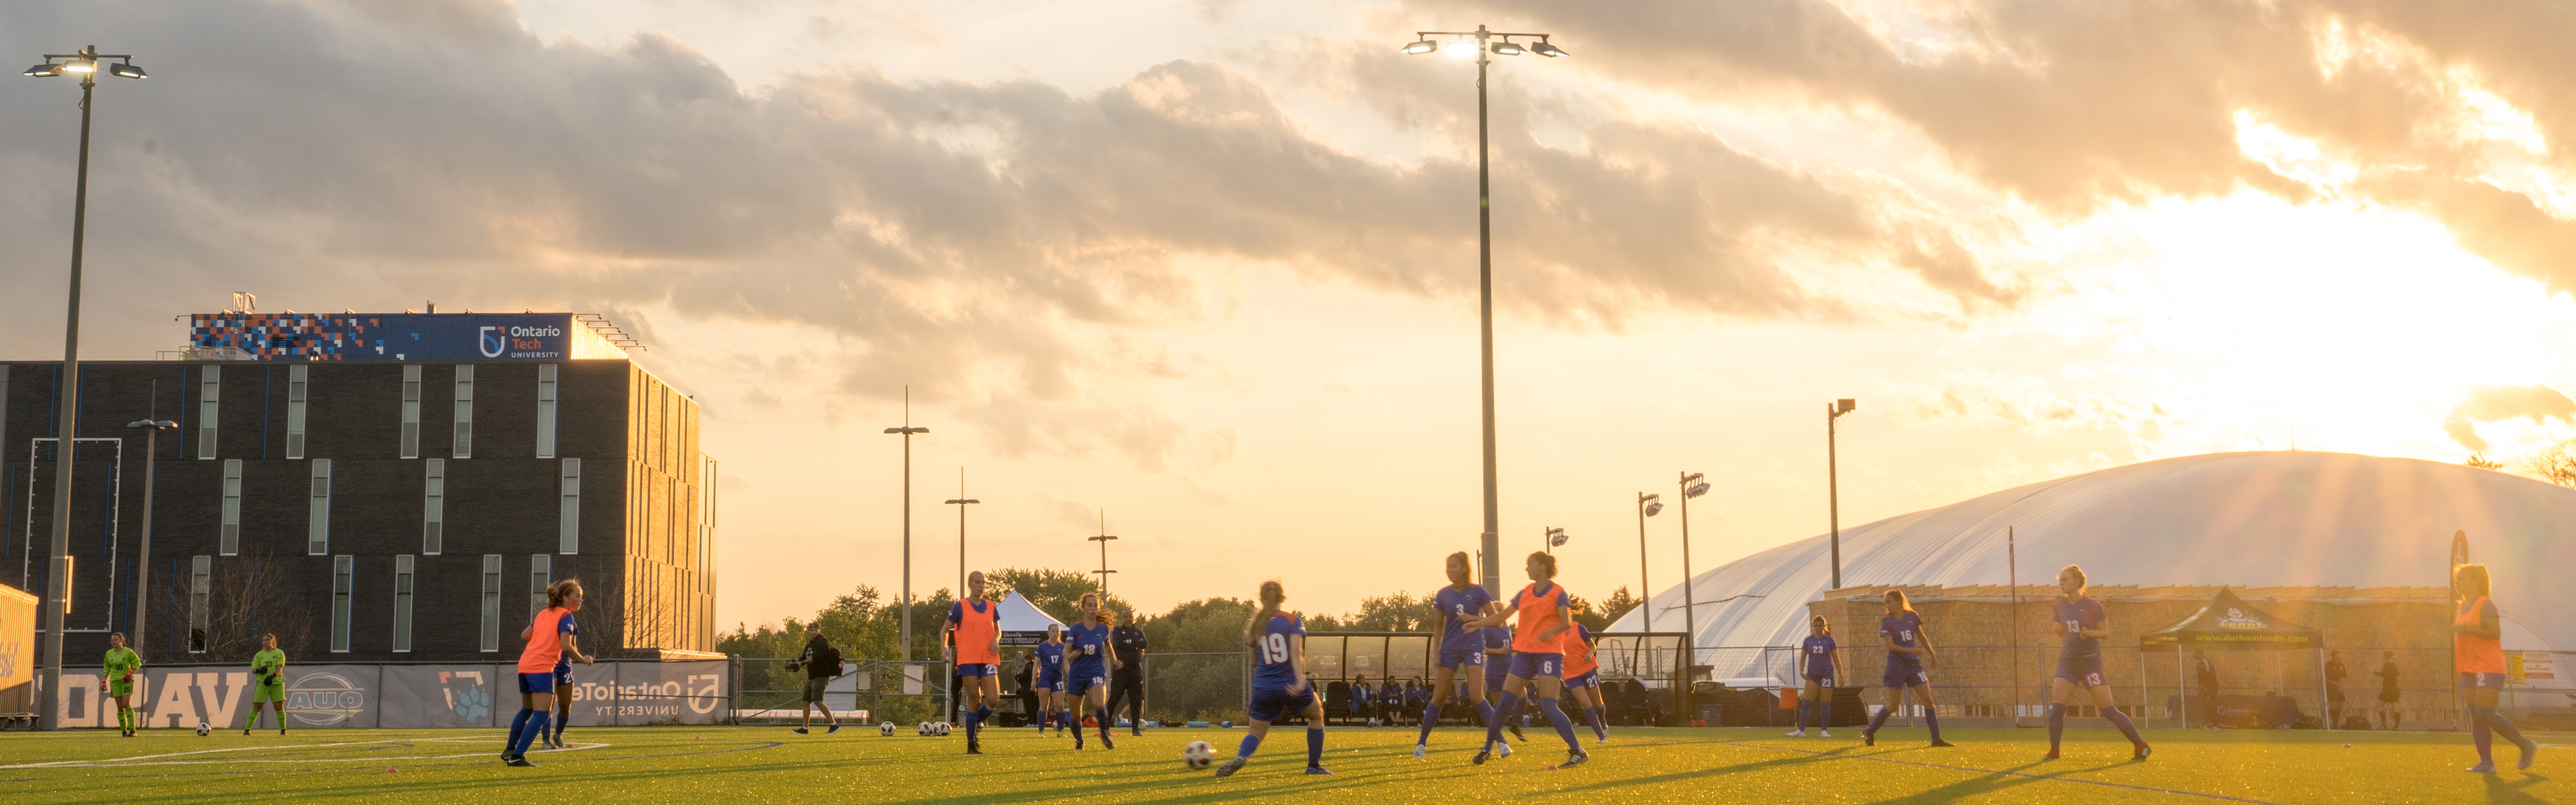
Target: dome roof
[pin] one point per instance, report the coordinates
(2241, 519)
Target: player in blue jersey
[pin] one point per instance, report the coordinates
(1050, 682)
(2082, 623)
(563, 690)
(1818, 656)
(1545, 613)
(1462, 649)
(1498, 670)
(1909, 658)
(1087, 662)
(1583, 677)
(1279, 685)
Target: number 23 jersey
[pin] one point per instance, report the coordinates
(1272, 650)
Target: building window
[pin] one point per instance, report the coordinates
(295, 386)
(546, 410)
(541, 573)
(228, 538)
(344, 571)
(433, 508)
(492, 602)
(317, 530)
(199, 569)
(411, 412)
(210, 391)
(464, 410)
(570, 516)
(402, 602)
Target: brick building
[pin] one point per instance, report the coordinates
(378, 509)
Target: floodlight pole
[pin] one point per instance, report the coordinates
(1833, 486)
(1103, 538)
(1690, 609)
(907, 431)
(1643, 589)
(143, 566)
(961, 503)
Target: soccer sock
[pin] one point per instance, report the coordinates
(1104, 722)
(2121, 720)
(975, 725)
(2496, 722)
(1564, 726)
(1593, 715)
(1430, 718)
(1827, 721)
(557, 721)
(2056, 725)
(536, 727)
(518, 724)
(1250, 742)
(1485, 713)
(2481, 734)
(1315, 747)
(1494, 728)
(1932, 719)
(1879, 720)
(1805, 709)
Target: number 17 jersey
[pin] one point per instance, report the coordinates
(1272, 652)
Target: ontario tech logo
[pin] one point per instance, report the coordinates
(493, 342)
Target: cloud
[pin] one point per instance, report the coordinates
(2496, 403)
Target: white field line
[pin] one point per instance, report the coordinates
(167, 759)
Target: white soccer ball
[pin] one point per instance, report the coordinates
(1198, 755)
(202, 729)
(886, 729)
(943, 728)
(925, 728)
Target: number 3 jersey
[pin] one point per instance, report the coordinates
(1272, 650)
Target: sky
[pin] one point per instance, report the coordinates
(1203, 272)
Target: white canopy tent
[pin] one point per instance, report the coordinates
(1023, 623)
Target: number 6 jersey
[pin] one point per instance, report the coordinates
(1272, 649)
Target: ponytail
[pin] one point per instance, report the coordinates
(1271, 596)
(1899, 597)
(558, 591)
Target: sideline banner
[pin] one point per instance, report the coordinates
(445, 695)
(405, 696)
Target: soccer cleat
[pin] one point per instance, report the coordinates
(1825, 733)
(281, 730)
(520, 760)
(1104, 742)
(974, 749)
(2530, 749)
(1868, 738)
(2141, 752)
(1602, 740)
(245, 731)
(1941, 744)
(1420, 751)
(2052, 755)
(798, 730)
(1798, 733)
(1483, 755)
(2482, 768)
(1571, 761)
(1231, 766)
(1507, 749)
(1314, 770)
(833, 729)
(1516, 731)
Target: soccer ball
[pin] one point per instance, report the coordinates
(925, 728)
(943, 728)
(1198, 755)
(886, 729)
(201, 729)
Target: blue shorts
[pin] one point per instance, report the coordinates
(1268, 704)
(2488, 681)
(1532, 665)
(1904, 675)
(2085, 671)
(979, 669)
(563, 677)
(1051, 679)
(537, 683)
(1084, 679)
(1823, 677)
(1454, 659)
(1587, 679)
(1497, 670)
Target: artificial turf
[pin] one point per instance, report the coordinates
(768, 764)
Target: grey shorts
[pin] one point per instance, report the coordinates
(814, 688)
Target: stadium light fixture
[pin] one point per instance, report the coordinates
(123, 70)
(1507, 48)
(1693, 485)
(1473, 44)
(1648, 505)
(1555, 538)
(45, 70)
(1544, 49)
(1833, 486)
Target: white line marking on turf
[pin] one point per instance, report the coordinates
(158, 760)
(2046, 777)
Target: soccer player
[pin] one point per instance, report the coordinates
(1909, 654)
(563, 688)
(1051, 703)
(1822, 656)
(2477, 640)
(1088, 656)
(548, 638)
(1462, 649)
(822, 663)
(1498, 670)
(975, 646)
(1583, 678)
(2389, 694)
(1279, 686)
(116, 679)
(1544, 614)
(268, 683)
(2082, 623)
(1127, 684)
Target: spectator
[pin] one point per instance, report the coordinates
(2388, 693)
(2334, 689)
(1361, 697)
(821, 662)
(1127, 684)
(2205, 681)
(1028, 691)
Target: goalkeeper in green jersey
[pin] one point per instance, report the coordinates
(116, 679)
(268, 683)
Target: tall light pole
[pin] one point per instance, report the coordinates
(907, 430)
(1693, 485)
(143, 567)
(1103, 538)
(961, 503)
(1833, 485)
(1648, 505)
(1485, 42)
(86, 65)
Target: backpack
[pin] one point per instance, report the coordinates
(829, 658)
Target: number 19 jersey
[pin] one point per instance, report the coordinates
(1272, 651)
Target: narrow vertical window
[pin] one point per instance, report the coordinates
(317, 530)
(228, 539)
(569, 526)
(411, 412)
(492, 602)
(464, 410)
(433, 508)
(344, 572)
(402, 602)
(541, 573)
(199, 571)
(295, 386)
(546, 410)
(210, 391)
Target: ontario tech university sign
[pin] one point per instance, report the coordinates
(403, 336)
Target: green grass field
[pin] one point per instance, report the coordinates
(1375, 766)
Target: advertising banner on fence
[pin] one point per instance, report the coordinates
(406, 696)
(631, 693)
(446, 695)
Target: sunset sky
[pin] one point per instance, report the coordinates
(1210, 264)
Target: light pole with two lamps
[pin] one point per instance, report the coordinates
(1648, 505)
(1693, 485)
(57, 584)
(1833, 485)
(908, 431)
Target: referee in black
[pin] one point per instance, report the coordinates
(1127, 684)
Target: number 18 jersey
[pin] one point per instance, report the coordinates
(1271, 650)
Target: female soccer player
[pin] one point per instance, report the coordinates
(1279, 686)
(1498, 669)
(116, 679)
(268, 683)
(563, 688)
(2477, 639)
(549, 638)
(1821, 657)
(1906, 664)
(1051, 703)
(1537, 656)
(1462, 649)
(1086, 668)
(1583, 678)
(2079, 663)
(975, 646)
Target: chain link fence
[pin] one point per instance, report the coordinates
(769, 691)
